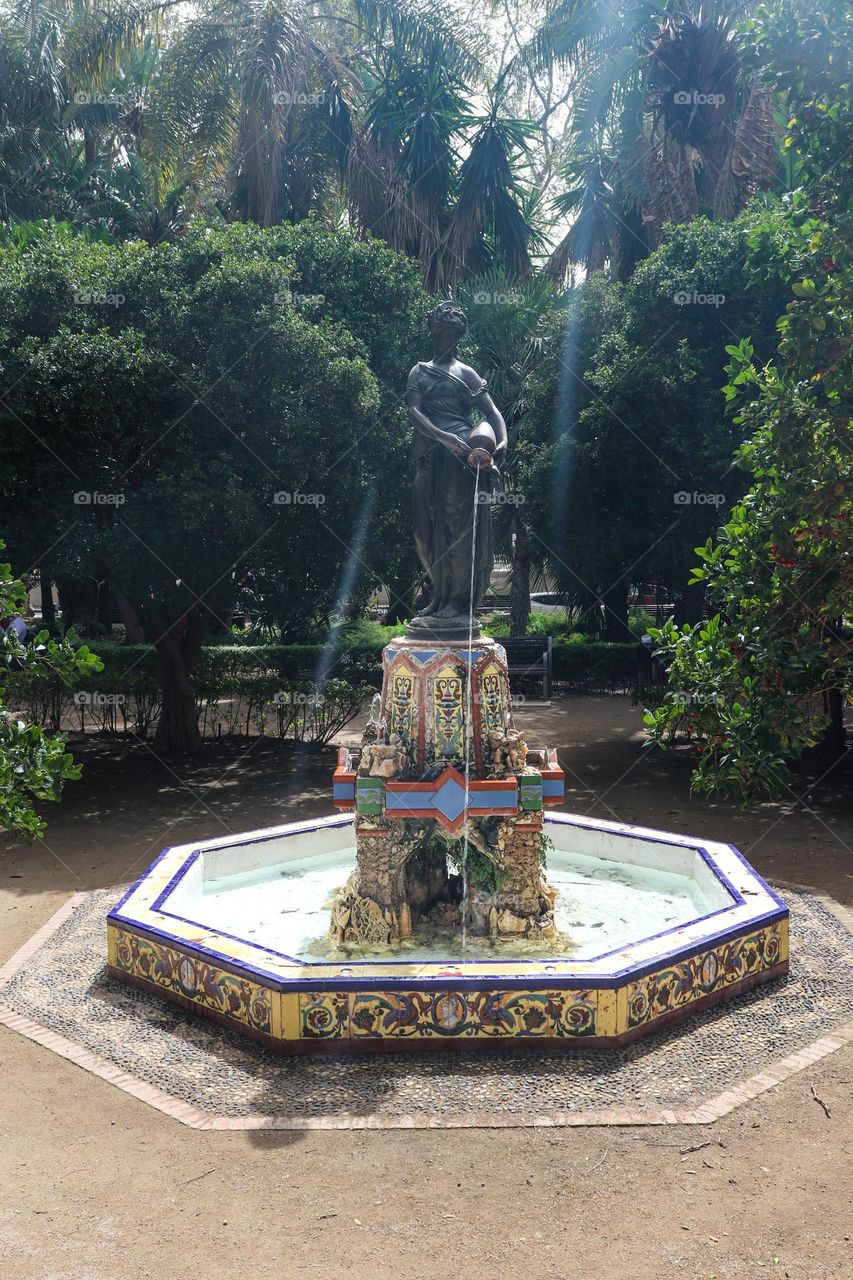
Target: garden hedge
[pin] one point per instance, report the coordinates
(306, 692)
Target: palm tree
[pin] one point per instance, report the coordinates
(294, 108)
(665, 122)
(61, 67)
(133, 118)
(408, 185)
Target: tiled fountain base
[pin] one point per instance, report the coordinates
(56, 992)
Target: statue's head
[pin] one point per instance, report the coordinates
(446, 317)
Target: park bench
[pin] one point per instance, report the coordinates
(529, 658)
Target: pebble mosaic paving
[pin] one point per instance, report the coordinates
(208, 1076)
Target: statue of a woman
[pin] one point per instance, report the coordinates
(442, 396)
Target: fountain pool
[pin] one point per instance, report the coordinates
(649, 926)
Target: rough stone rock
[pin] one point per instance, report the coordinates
(511, 924)
(384, 897)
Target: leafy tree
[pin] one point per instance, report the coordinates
(626, 448)
(665, 122)
(190, 423)
(769, 673)
(34, 765)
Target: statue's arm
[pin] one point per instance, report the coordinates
(421, 423)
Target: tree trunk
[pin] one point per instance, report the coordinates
(632, 245)
(519, 596)
(834, 739)
(71, 600)
(104, 605)
(177, 729)
(690, 606)
(177, 652)
(132, 625)
(615, 602)
(48, 613)
(585, 614)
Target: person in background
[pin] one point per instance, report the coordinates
(19, 627)
(15, 626)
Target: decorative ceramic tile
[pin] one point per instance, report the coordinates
(448, 715)
(494, 693)
(403, 717)
(323, 1015)
(419, 1014)
(194, 979)
(701, 975)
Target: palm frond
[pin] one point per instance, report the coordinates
(751, 163)
(574, 33)
(427, 29)
(490, 200)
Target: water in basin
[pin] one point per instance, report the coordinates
(603, 904)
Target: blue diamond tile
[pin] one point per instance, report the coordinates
(449, 799)
(422, 655)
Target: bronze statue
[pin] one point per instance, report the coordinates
(449, 453)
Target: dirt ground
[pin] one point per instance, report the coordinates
(97, 1186)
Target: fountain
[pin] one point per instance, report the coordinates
(443, 905)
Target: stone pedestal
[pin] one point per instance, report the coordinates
(426, 694)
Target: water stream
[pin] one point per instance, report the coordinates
(469, 698)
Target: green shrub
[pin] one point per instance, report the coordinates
(595, 665)
(640, 622)
(538, 624)
(303, 692)
(269, 689)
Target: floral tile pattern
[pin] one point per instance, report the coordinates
(195, 980)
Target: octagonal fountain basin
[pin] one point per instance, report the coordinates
(652, 926)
